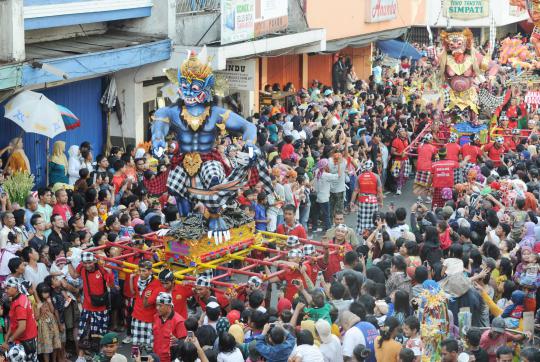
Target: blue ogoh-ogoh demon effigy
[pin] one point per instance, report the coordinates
(199, 173)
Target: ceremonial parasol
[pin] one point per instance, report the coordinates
(35, 113)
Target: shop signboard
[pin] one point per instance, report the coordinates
(381, 10)
(237, 20)
(247, 19)
(240, 74)
(466, 9)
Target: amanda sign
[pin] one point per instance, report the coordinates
(381, 10)
(467, 9)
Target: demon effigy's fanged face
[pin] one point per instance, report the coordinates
(195, 81)
(457, 42)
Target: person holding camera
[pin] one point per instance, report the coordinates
(275, 343)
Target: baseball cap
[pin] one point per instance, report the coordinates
(498, 325)
(283, 304)
(324, 330)
(233, 316)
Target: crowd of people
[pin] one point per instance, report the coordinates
(473, 234)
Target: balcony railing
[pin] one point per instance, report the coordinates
(197, 6)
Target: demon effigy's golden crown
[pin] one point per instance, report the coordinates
(195, 68)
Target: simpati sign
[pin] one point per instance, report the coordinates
(467, 9)
(381, 10)
(240, 75)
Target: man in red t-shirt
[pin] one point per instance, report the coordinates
(180, 292)
(95, 280)
(22, 326)
(401, 166)
(422, 180)
(62, 207)
(471, 151)
(510, 143)
(168, 326)
(494, 151)
(204, 295)
(290, 226)
(295, 272)
(332, 262)
(443, 177)
(145, 288)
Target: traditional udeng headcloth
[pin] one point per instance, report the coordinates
(295, 253)
(292, 241)
(367, 165)
(164, 298)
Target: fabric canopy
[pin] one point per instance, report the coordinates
(398, 49)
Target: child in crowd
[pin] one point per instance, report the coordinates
(48, 323)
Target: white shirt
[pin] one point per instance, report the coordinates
(323, 184)
(36, 276)
(4, 236)
(384, 155)
(92, 225)
(353, 337)
(234, 356)
(339, 184)
(307, 353)
(331, 351)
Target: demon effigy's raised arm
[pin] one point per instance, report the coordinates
(199, 173)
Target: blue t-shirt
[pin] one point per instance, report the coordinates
(260, 214)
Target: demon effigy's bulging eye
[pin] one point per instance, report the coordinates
(195, 87)
(184, 85)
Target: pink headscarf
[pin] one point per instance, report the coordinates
(321, 165)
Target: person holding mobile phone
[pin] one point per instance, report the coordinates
(168, 326)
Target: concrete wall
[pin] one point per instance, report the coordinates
(161, 22)
(347, 18)
(190, 28)
(11, 30)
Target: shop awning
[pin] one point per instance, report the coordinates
(363, 40)
(398, 49)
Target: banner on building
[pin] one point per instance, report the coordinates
(466, 9)
(247, 19)
(381, 10)
(532, 97)
(517, 11)
(240, 75)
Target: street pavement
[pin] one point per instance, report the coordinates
(406, 199)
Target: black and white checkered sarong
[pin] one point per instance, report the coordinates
(422, 178)
(197, 189)
(31, 357)
(398, 165)
(365, 216)
(142, 333)
(94, 323)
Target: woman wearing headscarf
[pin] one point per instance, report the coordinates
(58, 164)
(528, 237)
(17, 161)
(74, 164)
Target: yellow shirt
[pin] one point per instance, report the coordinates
(389, 352)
